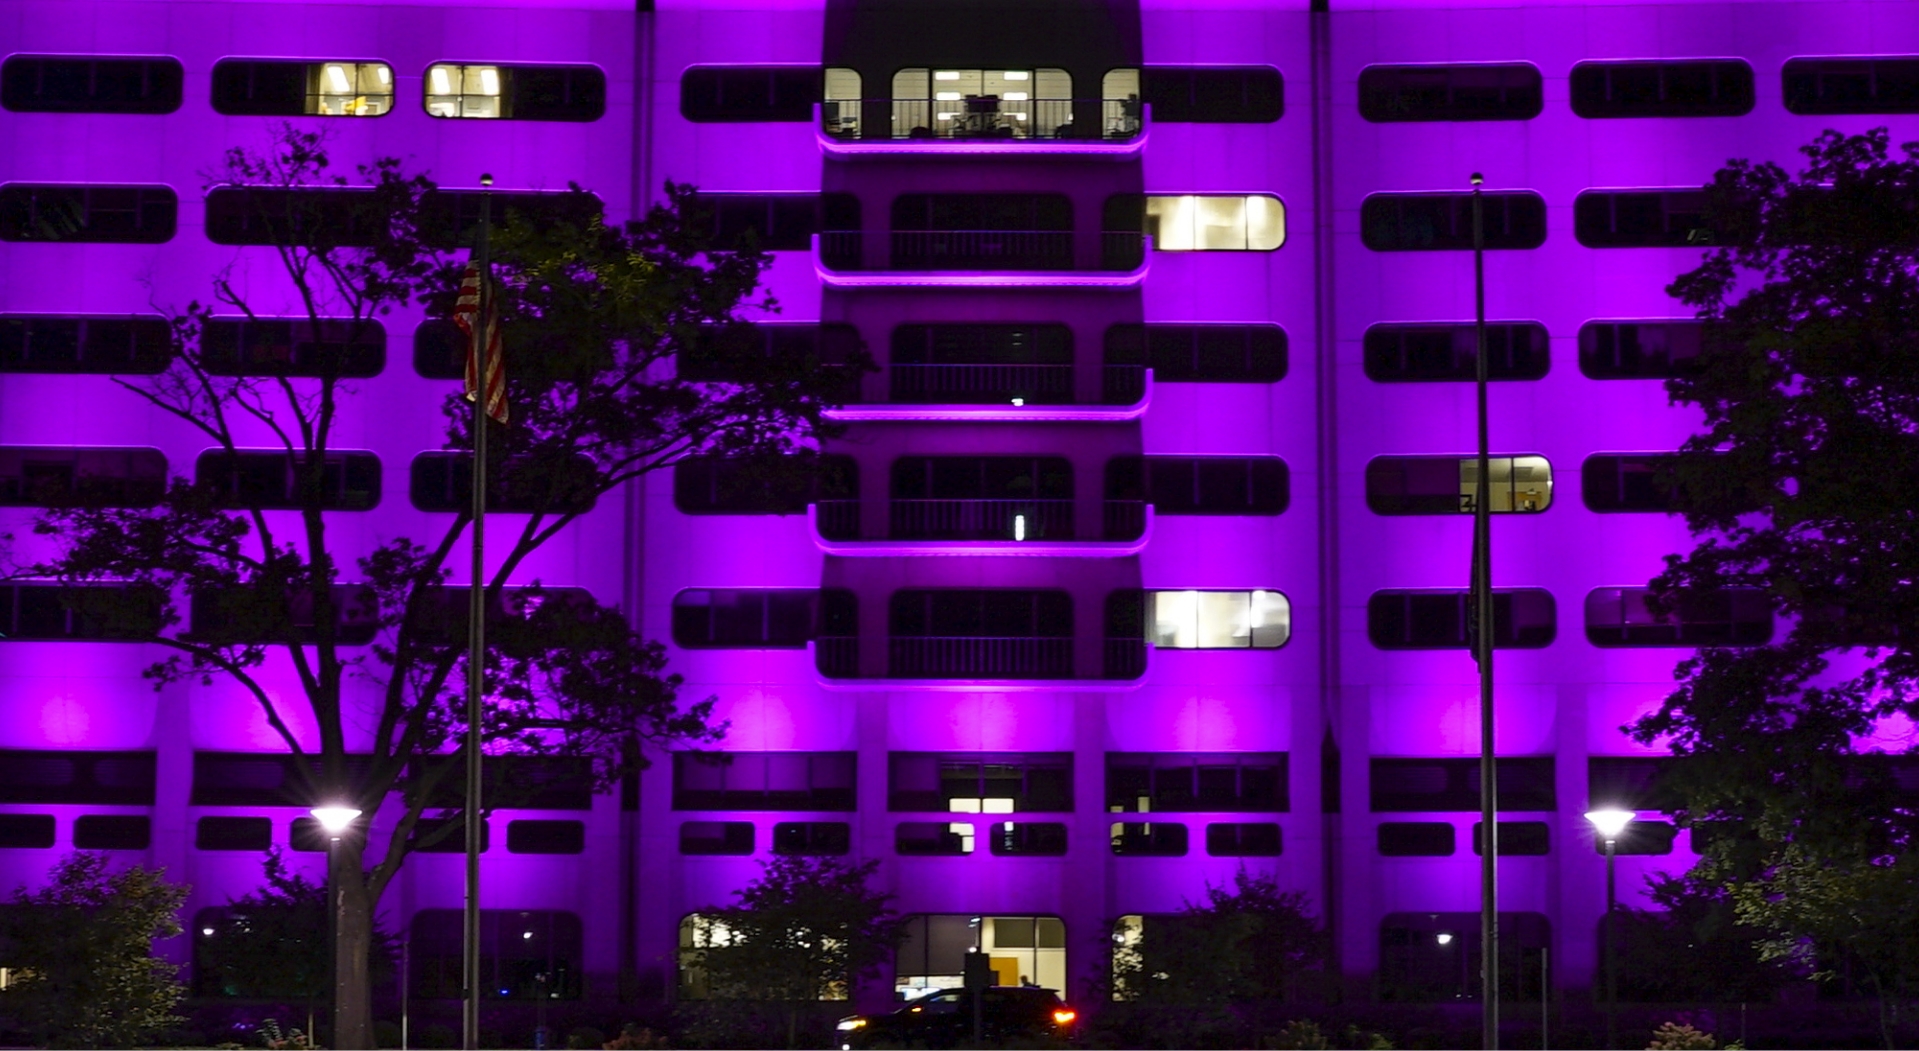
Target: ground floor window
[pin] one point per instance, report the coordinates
(1023, 950)
(1435, 956)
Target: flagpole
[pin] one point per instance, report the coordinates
(1482, 593)
(476, 635)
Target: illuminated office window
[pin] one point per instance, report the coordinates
(1220, 620)
(1216, 223)
(981, 103)
(243, 88)
(1448, 485)
(840, 108)
(488, 92)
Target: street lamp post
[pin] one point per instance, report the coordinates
(1610, 823)
(335, 820)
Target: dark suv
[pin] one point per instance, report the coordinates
(945, 1018)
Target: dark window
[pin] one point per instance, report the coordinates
(442, 616)
(933, 838)
(1639, 782)
(1416, 222)
(836, 649)
(271, 481)
(1187, 782)
(1638, 219)
(982, 364)
(743, 618)
(545, 837)
(451, 218)
(112, 832)
(447, 835)
(62, 475)
(985, 231)
(30, 343)
(83, 84)
(266, 88)
(1245, 839)
(1028, 839)
(237, 347)
(1413, 785)
(1417, 839)
(1517, 838)
(1160, 839)
(97, 778)
(716, 837)
(443, 481)
(1617, 482)
(49, 612)
(1639, 350)
(308, 836)
(813, 838)
(97, 214)
(26, 831)
(525, 954)
(981, 498)
(1662, 89)
(982, 783)
(261, 779)
(763, 781)
(1202, 485)
(1515, 350)
(1641, 837)
(1448, 485)
(517, 782)
(731, 353)
(1199, 353)
(1819, 86)
(996, 634)
(233, 833)
(1213, 94)
(1404, 619)
(1498, 91)
(1732, 617)
(982, 211)
(255, 616)
(777, 221)
(439, 350)
(320, 217)
(714, 486)
(733, 94)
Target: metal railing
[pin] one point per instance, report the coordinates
(1122, 384)
(1125, 658)
(1121, 250)
(837, 657)
(982, 249)
(981, 384)
(842, 249)
(837, 519)
(988, 117)
(981, 520)
(987, 658)
(1125, 520)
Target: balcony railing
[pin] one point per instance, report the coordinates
(1125, 658)
(838, 519)
(837, 657)
(841, 249)
(981, 520)
(1122, 384)
(982, 384)
(982, 658)
(1125, 519)
(987, 117)
(1121, 250)
(982, 249)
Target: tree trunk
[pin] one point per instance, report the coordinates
(353, 927)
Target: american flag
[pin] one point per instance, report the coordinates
(465, 315)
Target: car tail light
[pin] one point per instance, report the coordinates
(1064, 1015)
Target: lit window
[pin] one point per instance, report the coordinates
(982, 103)
(352, 89)
(1444, 485)
(249, 88)
(463, 91)
(1230, 223)
(841, 106)
(1220, 620)
(570, 93)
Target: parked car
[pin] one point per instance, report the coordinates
(944, 1018)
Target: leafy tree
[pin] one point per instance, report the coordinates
(594, 319)
(1241, 944)
(82, 947)
(807, 930)
(1803, 483)
(1692, 948)
(273, 943)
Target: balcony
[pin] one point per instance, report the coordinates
(979, 259)
(980, 384)
(979, 658)
(1047, 528)
(983, 124)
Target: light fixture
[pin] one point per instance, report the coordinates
(1445, 938)
(336, 78)
(439, 82)
(489, 80)
(207, 931)
(526, 935)
(1610, 823)
(946, 74)
(1019, 527)
(335, 819)
(1015, 74)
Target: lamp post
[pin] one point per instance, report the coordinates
(1610, 823)
(335, 820)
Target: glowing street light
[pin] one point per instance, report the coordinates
(1610, 823)
(335, 820)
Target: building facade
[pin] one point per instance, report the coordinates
(1141, 560)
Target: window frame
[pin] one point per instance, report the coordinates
(1513, 636)
(155, 210)
(514, 91)
(165, 100)
(1581, 75)
(312, 102)
(1370, 97)
(149, 338)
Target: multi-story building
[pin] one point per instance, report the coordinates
(1141, 560)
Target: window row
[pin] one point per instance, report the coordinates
(1618, 89)
(981, 783)
(245, 87)
(235, 215)
(1527, 618)
(938, 363)
(1438, 839)
(430, 835)
(958, 838)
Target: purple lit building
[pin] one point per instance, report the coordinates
(1142, 559)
